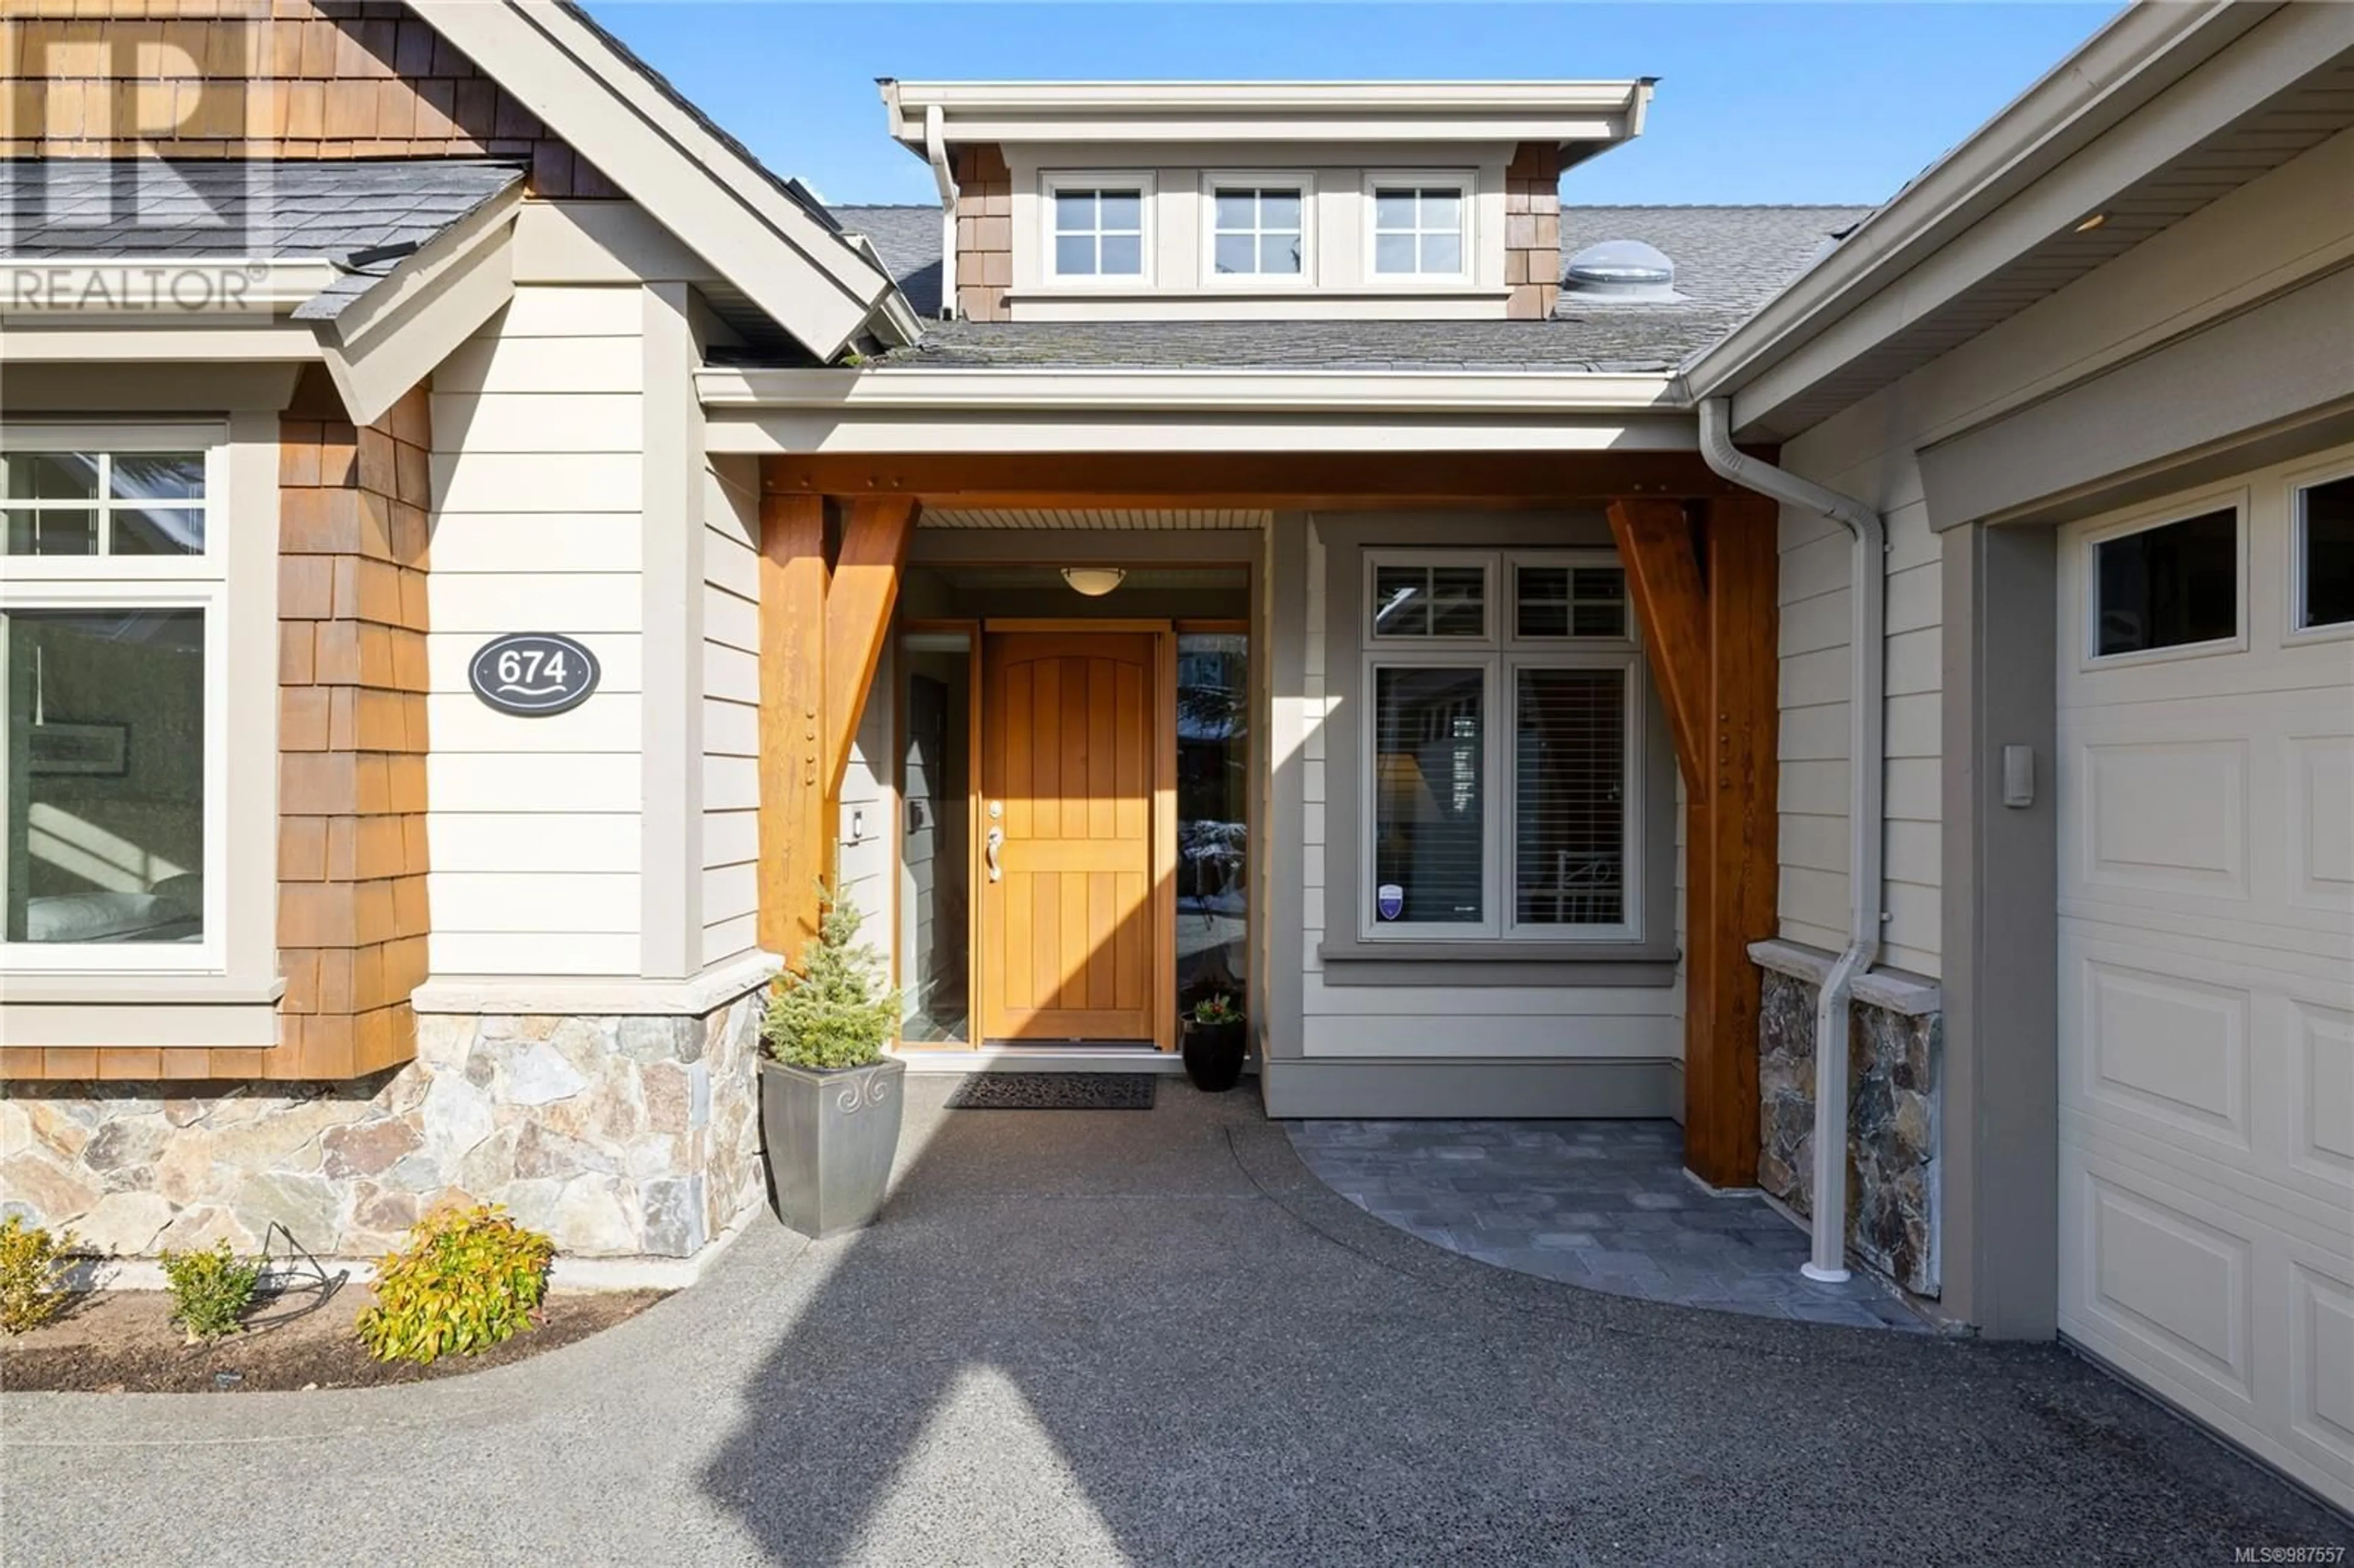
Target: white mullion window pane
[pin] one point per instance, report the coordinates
(1418, 230)
(104, 504)
(1559, 602)
(1430, 784)
(1569, 806)
(105, 714)
(1257, 232)
(1099, 233)
(1430, 602)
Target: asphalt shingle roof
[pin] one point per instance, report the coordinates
(367, 216)
(1729, 260)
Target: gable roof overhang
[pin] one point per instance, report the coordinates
(1580, 118)
(2166, 109)
(772, 243)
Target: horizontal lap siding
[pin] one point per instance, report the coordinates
(1547, 1022)
(731, 708)
(538, 484)
(1813, 596)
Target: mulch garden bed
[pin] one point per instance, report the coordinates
(122, 1342)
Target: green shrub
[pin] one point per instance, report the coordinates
(33, 1265)
(210, 1290)
(468, 1279)
(1214, 1011)
(834, 1012)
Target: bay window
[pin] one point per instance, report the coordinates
(1500, 747)
(113, 637)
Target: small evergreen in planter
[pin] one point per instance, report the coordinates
(829, 1099)
(1217, 1040)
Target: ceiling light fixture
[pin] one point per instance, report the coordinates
(1094, 581)
(2093, 223)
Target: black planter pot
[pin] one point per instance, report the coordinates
(1213, 1055)
(829, 1137)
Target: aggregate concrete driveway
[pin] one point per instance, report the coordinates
(1151, 1338)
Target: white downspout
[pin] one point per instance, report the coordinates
(936, 149)
(1867, 663)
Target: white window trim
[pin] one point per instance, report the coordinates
(1501, 655)
(1052, 182)
(2295, 631)
(1467, 190)
(2177, 510)
(161, 582)
(1300, 180)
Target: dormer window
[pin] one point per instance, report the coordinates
(1258, 228)
(1421, 227)
(1098, 226)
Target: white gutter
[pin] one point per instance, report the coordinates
(996, 389)
(1867, 767)
(936, 150)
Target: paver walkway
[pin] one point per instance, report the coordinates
(1604, 1204)
(1151, 1338)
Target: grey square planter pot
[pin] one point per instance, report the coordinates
(830, 1138)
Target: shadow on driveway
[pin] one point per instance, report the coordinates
(1154, 1338)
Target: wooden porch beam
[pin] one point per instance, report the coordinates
(793, 830)
(1663, 579)
(875, 531)
(1256, 480)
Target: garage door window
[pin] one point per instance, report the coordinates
(2171, 586)
(2325, 550)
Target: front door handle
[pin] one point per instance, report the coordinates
(989, 848)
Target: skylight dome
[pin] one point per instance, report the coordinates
(1623, 269)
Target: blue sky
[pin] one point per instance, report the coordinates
(1818, 102)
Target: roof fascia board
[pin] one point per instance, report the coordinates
(690, 181)
(2117, 73)
(490, 225)
(784, 432)
(1154, 111)
(886, 392)
(374, 368)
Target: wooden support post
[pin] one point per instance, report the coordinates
(822, 634)
(793, 781)
(1711, 640)
(1743, 846)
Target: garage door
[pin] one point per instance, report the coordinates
(2206, 881)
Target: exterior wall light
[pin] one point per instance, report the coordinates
(1094, 581)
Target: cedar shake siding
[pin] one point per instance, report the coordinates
(1532, 231)
(258, 78)
(352, 682)
(984, 233)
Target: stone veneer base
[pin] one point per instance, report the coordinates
(622, 1138)
(1892, 1102)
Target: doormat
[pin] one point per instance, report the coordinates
(1054, 1091)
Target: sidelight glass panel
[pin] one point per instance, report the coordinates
(934, 959)
(1429, 796)
(104, 770)
(1212, 814)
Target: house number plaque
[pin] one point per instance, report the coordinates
(533, 674)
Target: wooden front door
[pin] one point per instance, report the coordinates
(1077, 790)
